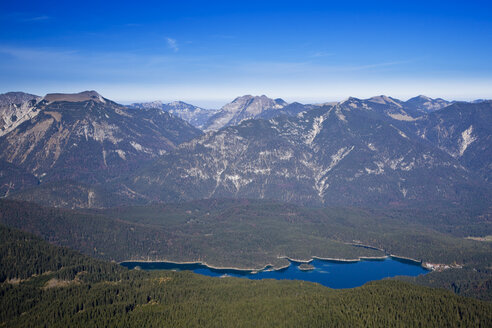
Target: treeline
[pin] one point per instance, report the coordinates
(111, 296)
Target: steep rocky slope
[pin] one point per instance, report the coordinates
(89, 138)
(341, 154)
(15, 108)
(464, 131)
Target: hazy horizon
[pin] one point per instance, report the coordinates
(217, 103)
(208, 54)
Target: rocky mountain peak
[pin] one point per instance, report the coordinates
(75, 97)
(385, 100)
(425, 104)
(15, 108)
(254, 104)
(88, 136)
(11, 98)
(179, 104)
(243, 108)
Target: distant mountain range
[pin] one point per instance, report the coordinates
(240, 109)
(255, 107)
(83, 150)
(196, 116)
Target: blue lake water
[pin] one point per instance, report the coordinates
(333, 274)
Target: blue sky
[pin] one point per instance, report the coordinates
(209, 52)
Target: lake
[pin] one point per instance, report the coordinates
(333, 274)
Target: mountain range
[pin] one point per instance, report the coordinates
(196, 116)
(351, 153)
(88, 138)
(377, 151)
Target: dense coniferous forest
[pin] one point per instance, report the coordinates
(253, 234)
(57, 287)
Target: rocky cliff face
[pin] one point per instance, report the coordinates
(15, 108)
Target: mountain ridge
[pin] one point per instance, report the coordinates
(371, 161)
(358, 152)
(196, 116)
(88, 137)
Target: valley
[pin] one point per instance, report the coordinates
(245, 164)
(252, 234)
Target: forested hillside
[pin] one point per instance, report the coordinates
(253, 234)
(75, 291)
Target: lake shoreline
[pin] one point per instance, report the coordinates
(271, 267)
(202, 263)
(332, 274)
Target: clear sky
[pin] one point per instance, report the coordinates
(209, 52)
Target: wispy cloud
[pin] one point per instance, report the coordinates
(24, 17)
(364, 67)
(37, 53)
(36, 19)
(310, 68)
(173, 44)
(320, 54)
(68, 64)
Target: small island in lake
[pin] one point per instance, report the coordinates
(306, 267)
